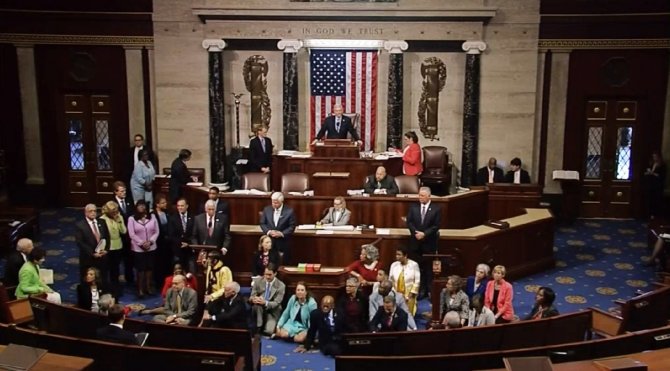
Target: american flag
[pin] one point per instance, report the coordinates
(350, 79)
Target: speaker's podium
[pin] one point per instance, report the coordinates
(341, 148)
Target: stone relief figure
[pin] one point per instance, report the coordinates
(255, 73)
(434, 73)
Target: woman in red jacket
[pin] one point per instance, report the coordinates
(411, 154)
(499, 295)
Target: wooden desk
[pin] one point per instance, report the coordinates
(463, 210)
(507, 200)
(59, 362)
(525, 248)
(329, 281)
(358, 169)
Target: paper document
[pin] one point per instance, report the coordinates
(339, 227)
(306, 227)
(242, 161)
(384, 231)
(565, 175)
(141, 338)
(102, 245)
(47, 276)
(325, 231)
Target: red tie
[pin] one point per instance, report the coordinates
(209, 228)
(94, 228)
(388, 322)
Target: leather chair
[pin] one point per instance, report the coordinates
(436, 168)
(294, 182)
(407, 184)
(355, 121)
(258, 181)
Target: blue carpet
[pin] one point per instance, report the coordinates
(597, 261)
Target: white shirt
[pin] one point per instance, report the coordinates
(137, 150)
(491, 172)
(517, 177)
(412, 276)
(276, 215)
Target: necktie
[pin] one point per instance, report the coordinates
(183, 222)
(267, 291)
(337, 125)
(96, 232)
(178, 303)
(276, 216)
(389, 320)
(423, 212)
(122, 204)
(263, 144)
(209, 228)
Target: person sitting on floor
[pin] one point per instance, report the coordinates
(385, 290)
(544, 304)
(328, 322)
(294, 321)
(479, 314)
(178, 270)
(266, 297)
(452, 320)
(180, 305)
(353, 305)
(228, 311)
(389, 317)
(91, 291)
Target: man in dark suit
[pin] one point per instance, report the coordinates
(380, 183)
(278, 222)
(221, 205)
(337, 126)
(389, 317)
(127, 209)
(490, 173)
(260, 151)
(266, 297)
(134, 155)
(329, 323)
(228, 311)
(423, 221)
(15, 261)
(210, 228)
(179, 175)
(88, 233)
(517, 175)
(114, 332)
(180, 230)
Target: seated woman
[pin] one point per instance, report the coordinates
(91, 290)
(479, 314)
(366, 268)
(476, 285)
(499, 295)
(338, 214)
(294, 321)
(264, 255)
(190, 280)
(452, 298)
(544, 304)
(29, 278)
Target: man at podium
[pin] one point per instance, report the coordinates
(337, 126)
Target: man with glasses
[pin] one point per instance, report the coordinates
(180, 304)
(338, 214)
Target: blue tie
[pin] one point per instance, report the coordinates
(267, 291)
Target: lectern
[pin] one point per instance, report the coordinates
(330, 148)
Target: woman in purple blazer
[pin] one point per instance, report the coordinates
(143, 231)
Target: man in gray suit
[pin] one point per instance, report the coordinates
(181, 303)
(376, 301)
(278, 222)
(338, 214)
(266, 297)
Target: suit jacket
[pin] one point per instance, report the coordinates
(179, 176)
(470, 287)
(524, 178)
(505, 297)
(319, 322)
(258, 268)
(411, 160)
(129, 206)
(257, 157)
(87, 243)
(12, 266)
(345, 127)
(285, 225)
(177, 233)
(353, 324)
(387, 183)
(229, 313)
(189, 303)
(30, 282)
(221, 208)
(380, 321)
(483, 175)
(116, 335)
(85, 297)
(220, 234)
(277, 290)
(330, 217)
(430, 226)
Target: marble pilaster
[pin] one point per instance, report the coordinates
(30, 110)
(395, 93)
(290, 93)
(135, 89)
(473, 51)
(217, 133)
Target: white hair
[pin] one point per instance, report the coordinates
(234, 285)
(210, 203)
(277, 196)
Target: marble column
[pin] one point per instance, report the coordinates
(30, 110)
(473, 50)
(290, 92)
(395, 90)
(135, 90)
(217, 132)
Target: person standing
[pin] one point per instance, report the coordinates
(141, 183)
(127, 209)
(116, 227)
(212, 229)
(163, 247)
(180, 229)
(15, 261)
(260, 151)
(654, 184)
(278, 222)
(406, 278)
(411, 154)
(88, 234)
(143, 231)
(423, 221)
(179, 175)
(337, 126)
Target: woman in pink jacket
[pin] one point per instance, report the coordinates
(499, 295)
(143, 231)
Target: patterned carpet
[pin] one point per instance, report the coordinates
(598, 261)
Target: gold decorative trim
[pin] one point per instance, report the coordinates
(604, 44)
(76, 39)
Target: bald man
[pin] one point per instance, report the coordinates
(15, 260)
(337, 126)
(328, 323)
(490, 173)
(380, 183)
